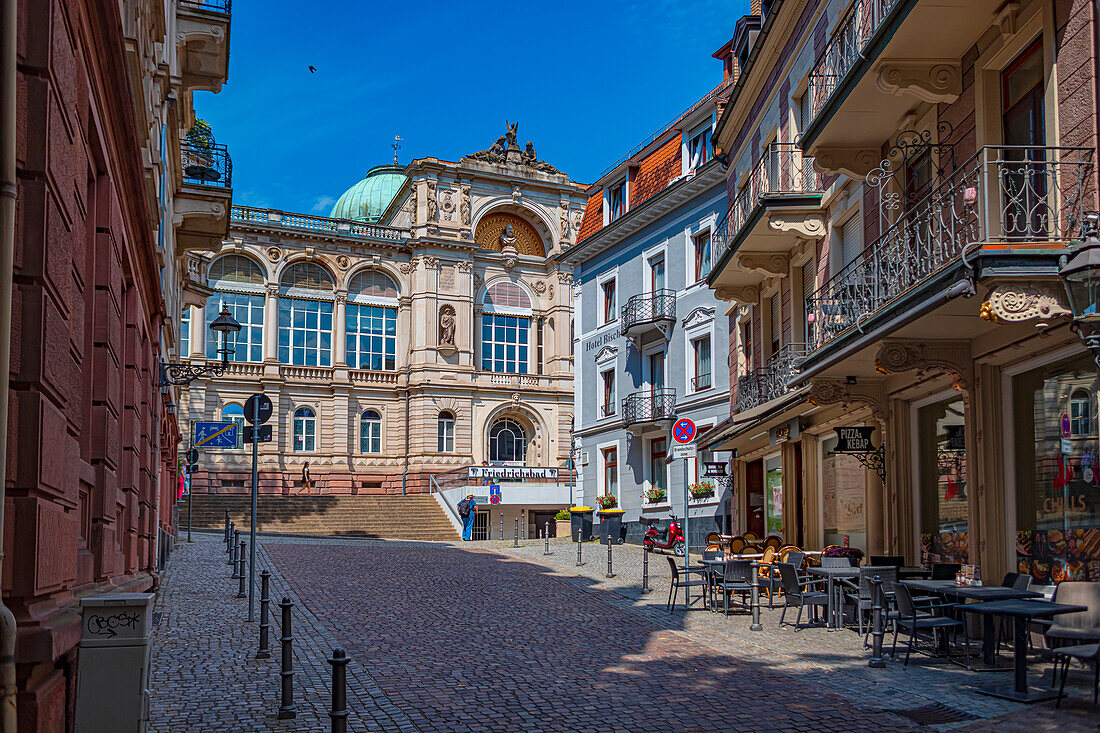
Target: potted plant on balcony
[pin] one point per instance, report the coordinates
(198, 154)
(562, 521)
(702, 490)
(655, 496)
(854, 554)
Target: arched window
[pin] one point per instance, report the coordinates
(505, 328)
(446, 432)
(371, 321)
(1080, 413)
(305, 429)
(507, 442)
(370, 432)
(235, 413)
(305, 315)
(239, 282)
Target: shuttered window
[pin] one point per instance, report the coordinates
(777, 322)
(851, 239)
(808, 285)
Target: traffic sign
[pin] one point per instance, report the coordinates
(250, 408)
(494, 494)
(263, 431)
(1065, 425)
(193, 457)
(683, 431)
(215, 435)
(684, 450)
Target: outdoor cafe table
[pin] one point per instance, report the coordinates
(976, 593)
(1021, 612)
(834, 614)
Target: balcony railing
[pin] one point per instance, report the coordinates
(655, 307)
(1001, 195)
(770, 381)
(338, 227)
(782, 171)
(209, 6)
(206, 166)
(649, 406)
(845, 47)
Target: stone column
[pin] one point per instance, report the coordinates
(874, 505)
(271, 322)
(339, 329)
(198, 332)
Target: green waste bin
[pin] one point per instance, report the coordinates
(580, 520)
(611, 526)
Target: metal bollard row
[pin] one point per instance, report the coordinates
(242, 576)
(755, 626)
(610, 544)
(286, 704)
(515, 537)
(264, 652)
(546, 538)
(339, 713)
(226, 538)
(645, 570)
(878, 632)
(233, 563)
(580, 546)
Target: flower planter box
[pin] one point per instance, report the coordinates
(562, 528)
(703, 497)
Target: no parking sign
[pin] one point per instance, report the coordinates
(494, 494)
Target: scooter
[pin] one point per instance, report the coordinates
(663, 540)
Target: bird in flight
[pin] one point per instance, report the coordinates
(312, 69)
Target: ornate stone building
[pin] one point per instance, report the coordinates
(426, 330)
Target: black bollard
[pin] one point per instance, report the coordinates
(546, 539)
(755, 626)
(580, 560)
(234, 538)
(264, 651)
(502, 525)
(515, 538)
(609, 544)
(241, 575)
(226, 538)
(878, 599)
(339, 712)
(234, 562)
(286, 705)
(645, 570)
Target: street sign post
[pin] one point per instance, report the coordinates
(260, 402)
(215, 435)
(257, 410)
(263, 433)
(683, 436)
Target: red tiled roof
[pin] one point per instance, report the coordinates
(593, 215)
(655, 172)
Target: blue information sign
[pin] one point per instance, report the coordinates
(215, 435)
(494, 494)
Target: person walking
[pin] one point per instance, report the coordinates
(307, 480)
(467, 509)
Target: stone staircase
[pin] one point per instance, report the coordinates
(414, 517)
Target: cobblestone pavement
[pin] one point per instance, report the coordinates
(471, 639)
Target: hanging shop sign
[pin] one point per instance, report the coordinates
(854, 439)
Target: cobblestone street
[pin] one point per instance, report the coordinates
(491, 638)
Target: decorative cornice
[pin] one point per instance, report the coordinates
(606, 353)
(928, 81)
(1019, 302)
(827, 391)
(852, 162)
(810, 226)
(698, 317)
(952, 357)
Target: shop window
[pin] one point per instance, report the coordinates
(773, 495)
(1057, 497)
(843, 496)
(944, 511)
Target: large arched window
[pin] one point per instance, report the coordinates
(507, 442)
(445, 442)
(235, 414)
(1080, 413)
(305, 315)
(239, 283)
(371, 321)
(305, 429)
(505, 328)
(370, 432)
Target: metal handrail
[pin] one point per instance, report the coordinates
(206, 165)
(660, 305)
(844, 47)
(338, 227)
(1001, 194)
(782, 170)
(771, 381)
(655, 404)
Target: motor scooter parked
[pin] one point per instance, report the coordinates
(665, 540)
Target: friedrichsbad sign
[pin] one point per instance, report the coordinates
(512, 473)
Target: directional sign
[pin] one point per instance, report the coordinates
(684, 450)
(683, 431)
(215, 435)
(265, 408)
(263, 431)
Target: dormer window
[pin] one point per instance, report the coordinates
(616, 197)
(698, 150)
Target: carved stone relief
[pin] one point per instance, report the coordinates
(932, 82)
(952, 357)
(852, 162)
(810, 226)
(827, 391)
(464, 207)
(447, 326)
(770, 264)
(1018, 302)
(433, 202)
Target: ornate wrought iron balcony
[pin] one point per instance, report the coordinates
(656, 310)
(319, 224)
(845, 47)
(206, 165)
(209, 6)
(649, 406)
(782, 171)
(1015, 195)
(770, 381)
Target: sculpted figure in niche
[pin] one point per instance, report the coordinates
(446, 326)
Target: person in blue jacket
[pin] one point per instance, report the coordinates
(467, 509)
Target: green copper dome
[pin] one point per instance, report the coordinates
(366, 200)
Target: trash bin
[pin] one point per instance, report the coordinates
(112, 678)
(611, 526)
(580, 519)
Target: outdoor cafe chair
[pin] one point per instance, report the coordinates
(835, 562)
(736, 543)
(736, 577)
(676, 584)
(915, 620)
(773, 541)
(769, 581)
(750, 537)
(1081, 627)
(1084, 653)
(797, 592)
(860, 595)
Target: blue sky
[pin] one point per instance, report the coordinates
(586, 80)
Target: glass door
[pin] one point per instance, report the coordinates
(1025, 213)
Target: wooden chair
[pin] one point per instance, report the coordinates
(750, 537)
(736, 544)
(769, 580)
(773, 540)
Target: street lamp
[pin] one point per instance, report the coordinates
(1081, 277)
(225, 328)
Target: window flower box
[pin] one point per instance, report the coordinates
(655, 496)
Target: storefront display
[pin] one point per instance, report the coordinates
(773, 495)
(1057, 461)
(944, 513)
(843, 493)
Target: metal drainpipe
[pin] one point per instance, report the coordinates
(8, 192)
(408, 388)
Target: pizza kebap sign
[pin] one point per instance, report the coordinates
(1054, 555)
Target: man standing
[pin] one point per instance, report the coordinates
(467, 509)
